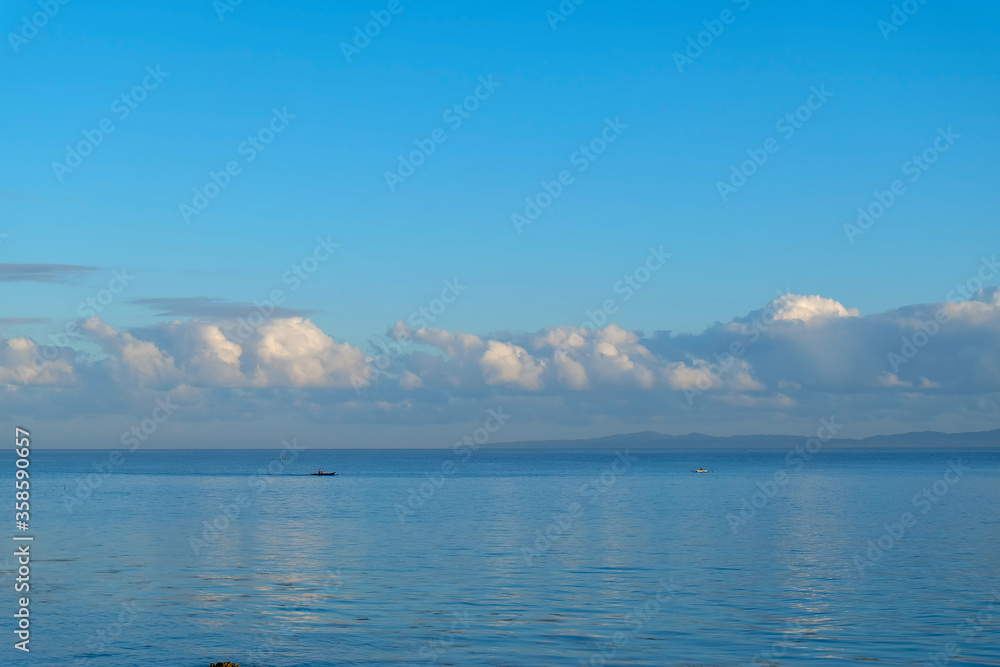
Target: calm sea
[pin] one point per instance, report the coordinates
(510, 557)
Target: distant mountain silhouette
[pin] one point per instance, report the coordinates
(654, 440)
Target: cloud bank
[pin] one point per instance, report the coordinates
(794, 360)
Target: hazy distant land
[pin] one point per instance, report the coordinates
(654, 440)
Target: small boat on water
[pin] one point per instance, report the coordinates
(700, 470)
(321, 473)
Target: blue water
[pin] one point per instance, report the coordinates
(511, 558)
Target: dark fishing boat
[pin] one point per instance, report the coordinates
(321, 473)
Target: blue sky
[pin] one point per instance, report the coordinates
(655, 185)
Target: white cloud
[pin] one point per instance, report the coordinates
(210, 358)
(410, 381)
(505, 363)
(455, 344)
(807, 308)
(990, 295)
(295, 352)
(734, 374)
(888, 379)
(142, 361)
(286, 352)
(808, 352)
(21, 363)
(597, 357)
(570, 371)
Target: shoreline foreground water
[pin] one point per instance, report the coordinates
(649, 572)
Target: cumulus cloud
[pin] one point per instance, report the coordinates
(295, 352)
(410, 381)
(209, 357)
(598, 357)
(21, 363)
(702, 375)
(455, 344)
(792, 358)
(571, 372)
(556, 359)
(806, 308)
(798, 307)
(131, 358)
(283, 352)
(988, 295)
(506, 363)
